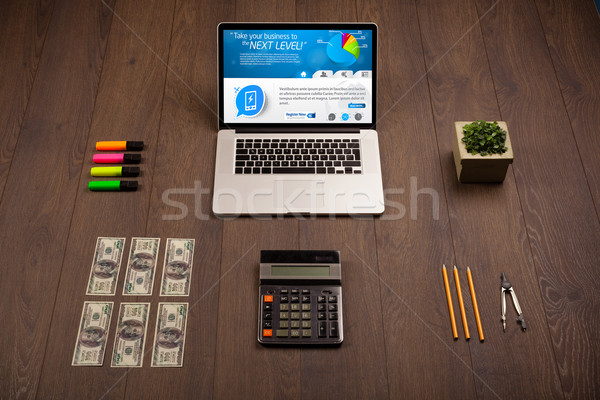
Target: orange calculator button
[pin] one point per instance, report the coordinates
(267, 332)
(268, 298)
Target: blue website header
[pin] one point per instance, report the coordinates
(294, 53)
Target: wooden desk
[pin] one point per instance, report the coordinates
(74, 72)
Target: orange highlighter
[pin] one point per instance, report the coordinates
(126, 145)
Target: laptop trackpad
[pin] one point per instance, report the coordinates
(298, 195)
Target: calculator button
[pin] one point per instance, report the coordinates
(281, 332)
(268, 307)
(305, 315)
(283, 299)
(267, 333)
(295, 307)
(295, 333)
(305, 291)
(267, 316)
(305, 307)
(333, 329)
(284, 307)
(333, 307)
(294, 324)
(320, 299)
(284, 315)
(306, 333)
(295, 299)
(332, 299)
(283, 291)
(284, 324)
(267, 325)
(321, 315)
(295, 291)
(323, 329)
(306, 299)
(306, 324)
(268, 298)
(295, 315)
(333, 315)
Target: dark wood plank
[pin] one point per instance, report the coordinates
(357, 369)
(413, 236)
(43, 183)
(127, 107)
(462, 89)
(572, 30)
(23, 27)
(180, 201)
(562, 224)
(244, 368)
(342, 372)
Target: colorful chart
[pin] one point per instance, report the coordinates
(343, 49)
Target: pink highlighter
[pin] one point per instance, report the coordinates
(117, 158)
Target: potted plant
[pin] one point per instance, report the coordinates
(482, 151)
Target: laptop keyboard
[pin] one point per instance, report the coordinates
(297, 156)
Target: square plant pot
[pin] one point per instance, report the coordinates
(475, 168)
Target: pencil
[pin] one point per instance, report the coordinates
(475, 308)
(450, 308)
(463, 314)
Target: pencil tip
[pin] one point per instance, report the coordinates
(468, 269)
(455, 267)
(444, 266)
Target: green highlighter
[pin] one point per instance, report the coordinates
(119, 186)
(115, 171)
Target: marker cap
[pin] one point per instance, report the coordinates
(135, 146)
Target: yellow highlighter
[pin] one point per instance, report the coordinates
(115, 171)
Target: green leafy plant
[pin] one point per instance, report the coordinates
(484, 137)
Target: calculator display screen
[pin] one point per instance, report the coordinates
(285, 270)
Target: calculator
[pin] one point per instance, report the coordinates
(300, 298)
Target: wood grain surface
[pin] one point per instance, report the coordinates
(562, 227)
(459, 69)
(75, 72)
(23, 27)
(36, 212)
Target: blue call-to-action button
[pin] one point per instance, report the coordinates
(357, 105)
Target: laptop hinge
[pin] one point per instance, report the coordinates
(298, 130)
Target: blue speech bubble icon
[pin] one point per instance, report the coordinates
(250, 101)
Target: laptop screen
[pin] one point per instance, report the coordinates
(297, 74)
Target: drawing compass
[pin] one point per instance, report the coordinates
(507, 289)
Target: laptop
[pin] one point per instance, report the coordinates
(297, 106)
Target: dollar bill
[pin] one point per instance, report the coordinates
(93, 332)
(105, 267)
(177, 269)
(139, 275)
(169, 338)
(130, 336)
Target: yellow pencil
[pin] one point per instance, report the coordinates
(475, 308)
(450, 308)
(463, 314)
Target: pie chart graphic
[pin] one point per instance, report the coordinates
(343, 49)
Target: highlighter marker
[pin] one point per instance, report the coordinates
(117, 158)
(122, 186)
(115, 171)
(120, 145)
